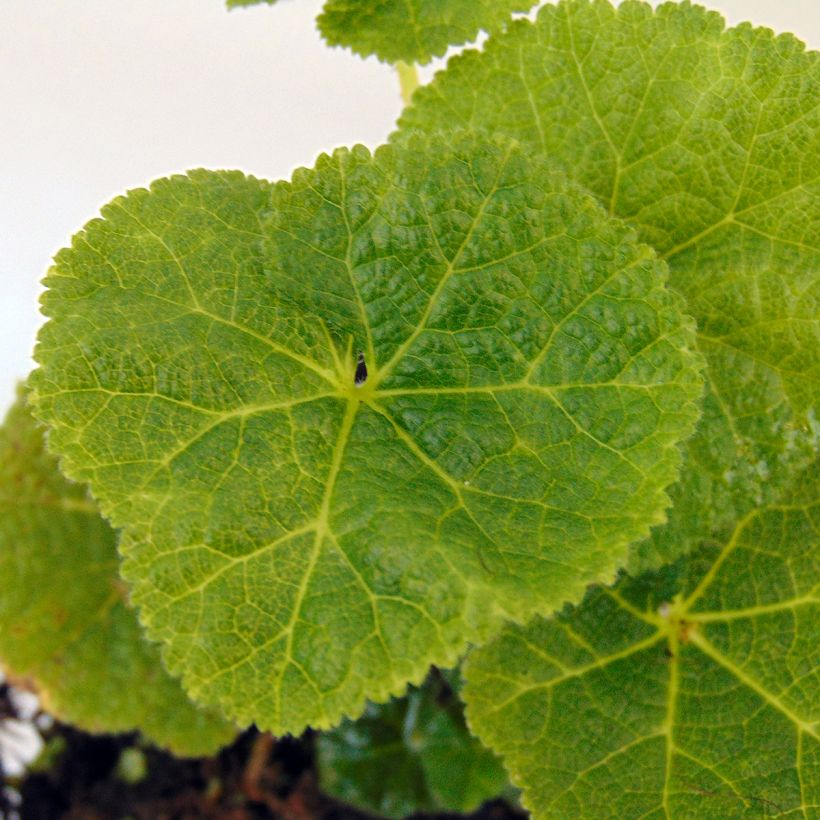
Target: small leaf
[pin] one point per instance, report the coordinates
(235, 4)
(302, 543)
(708, 141)
(64, 623)
(409, 755)
(693, 692)
(412, 30)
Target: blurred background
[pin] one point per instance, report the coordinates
(97, 97)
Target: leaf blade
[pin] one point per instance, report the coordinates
(286, 524)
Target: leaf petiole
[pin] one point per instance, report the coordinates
(408, 79)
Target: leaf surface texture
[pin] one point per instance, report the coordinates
(690, 692)
(708, 142)
(234, 4)
(301, 543)
(412, 30)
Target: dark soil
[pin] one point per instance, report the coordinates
(256, 778)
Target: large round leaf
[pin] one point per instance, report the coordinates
(708, 141)
(302, 542)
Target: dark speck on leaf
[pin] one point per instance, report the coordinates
(361, 371)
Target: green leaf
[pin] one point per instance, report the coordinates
(301, 543)
(235, 4)
(708, 141)
(425, 757)
(64, 623)
(414, 31)
(693, 692)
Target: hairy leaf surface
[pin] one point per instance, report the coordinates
(708, 141)
(694, 692)
(412, 30)
(64, 623)
(301, 542)
(409, 755)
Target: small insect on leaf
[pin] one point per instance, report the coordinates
(361, 371)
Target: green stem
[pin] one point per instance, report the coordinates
(408, 80)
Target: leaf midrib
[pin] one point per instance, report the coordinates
(323, 531)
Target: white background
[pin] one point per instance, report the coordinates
(97, 97)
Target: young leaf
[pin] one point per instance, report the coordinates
(299, 541)
(64, 623)
(691, 692)
(414, 31)
(233, 4)
(425, 757)
(708, 141)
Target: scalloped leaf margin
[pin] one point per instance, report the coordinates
(301, 542)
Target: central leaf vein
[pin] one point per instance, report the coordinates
(348, 261)
(322, 532)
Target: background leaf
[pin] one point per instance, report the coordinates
(300, 543)
(233, 4)
(411, 754)
(690, 692)
(414, 31)
(708, 141)
(64, 622)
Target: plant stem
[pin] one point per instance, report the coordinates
(408, 80)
